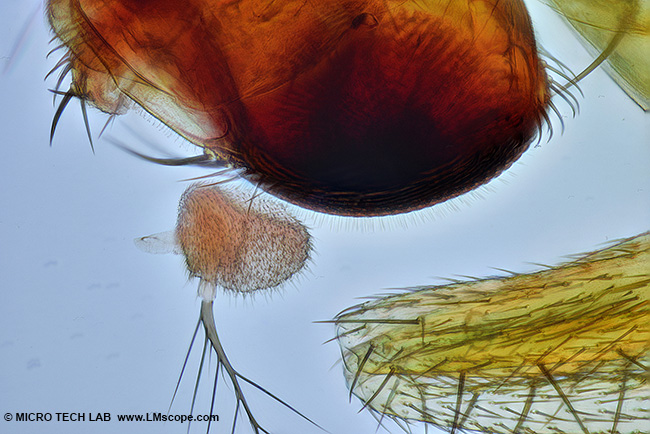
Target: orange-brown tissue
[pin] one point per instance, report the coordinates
(237, 244)
(357, 107)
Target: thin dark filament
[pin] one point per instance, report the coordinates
(548, 124)
(563, 66)
(503, 270)
(524, 412)
(558, 114)
(619, 405)
(142, 137)
(64, 59)
(199, 160)
(423, 401)
(563, 396)
(468, 410)
(550, 350)
(379, 389)
(539, 132)
(625, 24)
(64, 72)
(508, 378)
(459, 401)
(209, 175)
(234, 419)
(379, 419)
(260, 388)
(389, 401)
(432, 369)
(558, 72)
(62, 93)
(598, 60)
(406, 428)
(349, 332)
(371, 321)
(633, 360)
(396, 420)
(223, 181)
(572, 103)
(423, 413)
(254, 196)
(214, 394)
(605, 350)
(55, 49)
(359, 369)
(564, 362)
(187, 356)
(59, 111)
(198, 380)
(207, 318)
(84, 113)
(110, 120)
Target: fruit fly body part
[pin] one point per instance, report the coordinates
(237, 244)
(358, 108)
(565, 350)
(620, 32)
(230, 242)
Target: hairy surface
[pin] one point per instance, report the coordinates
(565, 350)
(238, 244)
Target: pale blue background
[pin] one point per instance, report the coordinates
(90, 323)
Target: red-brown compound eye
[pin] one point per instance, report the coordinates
(347, 107)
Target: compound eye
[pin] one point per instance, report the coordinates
(349, 108)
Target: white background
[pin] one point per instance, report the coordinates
(88, 323)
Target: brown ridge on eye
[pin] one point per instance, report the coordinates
(354, 107)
